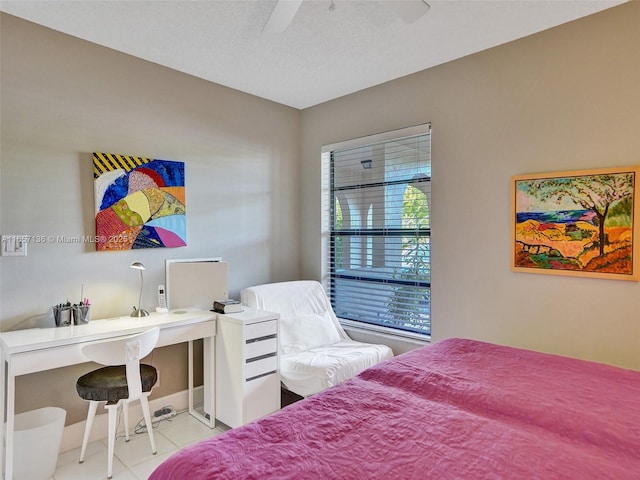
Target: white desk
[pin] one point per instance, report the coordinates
(39, 349)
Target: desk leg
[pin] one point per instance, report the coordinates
(192, 410)
(209, 383)
(11, 396)
(209, 418)
(2, 390)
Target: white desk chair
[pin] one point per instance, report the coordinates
(315, 351)
(123, 380)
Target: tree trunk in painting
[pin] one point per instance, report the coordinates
(601, 218)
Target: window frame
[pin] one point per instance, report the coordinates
(327, 205)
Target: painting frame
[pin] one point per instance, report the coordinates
(140, 202)
(581, 223)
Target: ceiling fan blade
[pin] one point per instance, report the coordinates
(281, 16)
(410, 10)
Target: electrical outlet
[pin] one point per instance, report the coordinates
(14, 245)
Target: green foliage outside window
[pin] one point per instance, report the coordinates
(409, 302)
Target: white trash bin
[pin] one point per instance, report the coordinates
(36, 443)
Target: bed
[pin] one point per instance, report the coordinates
(458, 409)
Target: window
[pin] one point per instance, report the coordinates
(377, 229)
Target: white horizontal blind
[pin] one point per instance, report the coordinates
(379, 201)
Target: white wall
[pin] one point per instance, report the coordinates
(62, 99)
(563, 99)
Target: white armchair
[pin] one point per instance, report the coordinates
(315, 351)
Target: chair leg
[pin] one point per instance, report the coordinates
(125, 414)
(144, 403)
(93, 407)
(113, 417)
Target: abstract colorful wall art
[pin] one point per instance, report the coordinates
(140, 202)
(577, 223)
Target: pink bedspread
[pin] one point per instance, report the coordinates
(458, 409)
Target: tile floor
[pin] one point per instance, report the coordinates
(133, 460)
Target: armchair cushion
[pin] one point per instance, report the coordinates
(306, 331)
(317, 369)
(291, 300)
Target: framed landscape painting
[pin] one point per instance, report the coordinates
(581, 223)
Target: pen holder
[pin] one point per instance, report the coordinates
(80, 314)
(62, 315)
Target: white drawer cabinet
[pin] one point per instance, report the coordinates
(247, 366)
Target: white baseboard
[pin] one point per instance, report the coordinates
(72, 435)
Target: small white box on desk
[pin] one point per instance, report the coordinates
(247, 366)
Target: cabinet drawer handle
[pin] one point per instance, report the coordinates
(260, 376)
(260, 339)
(261, 357)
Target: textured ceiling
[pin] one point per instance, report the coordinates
(322, 55)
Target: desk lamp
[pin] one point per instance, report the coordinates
(139, 312)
